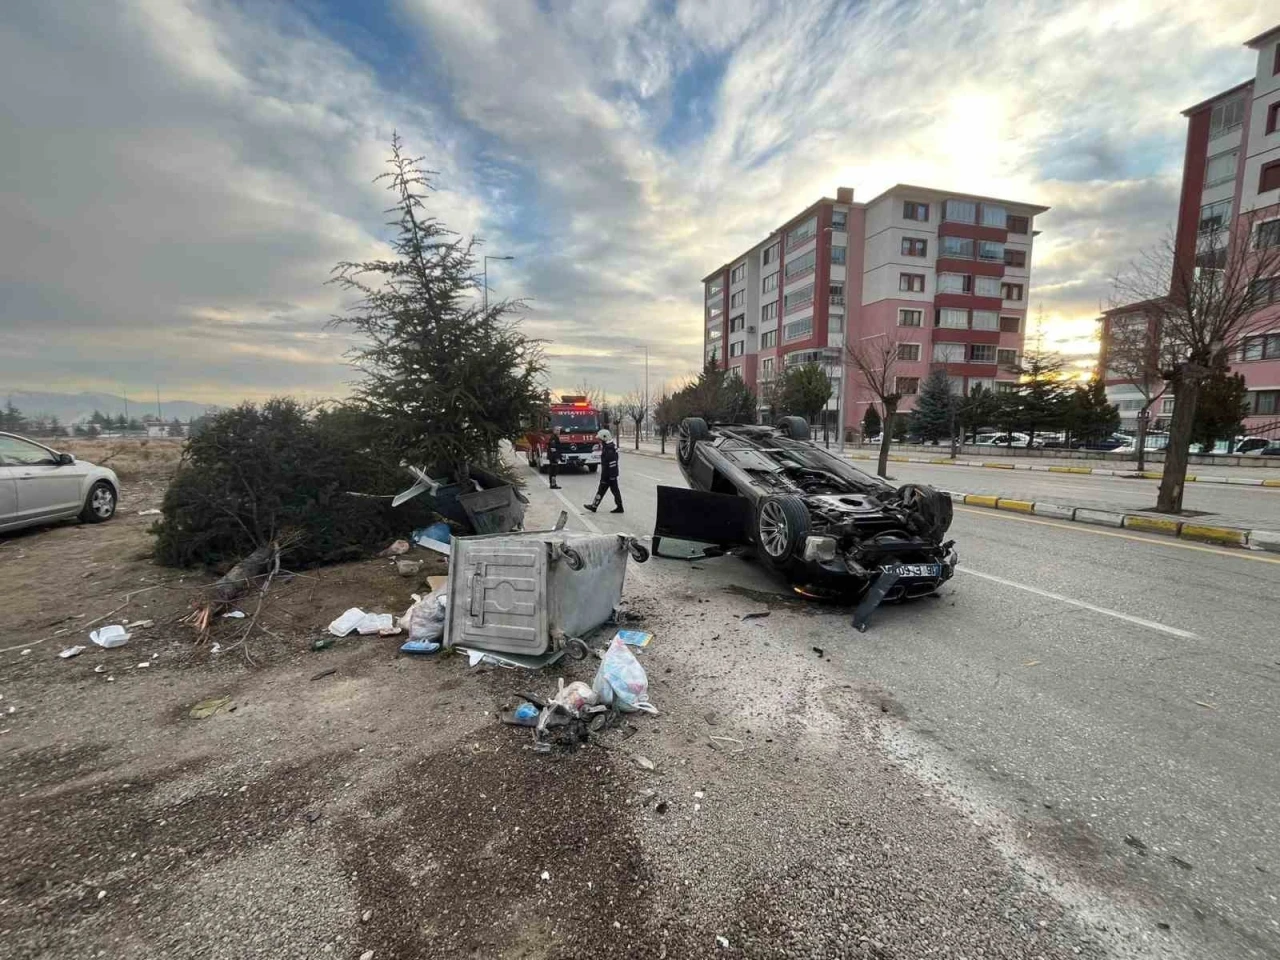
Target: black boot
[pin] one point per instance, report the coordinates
(617, 509)
(591, 506)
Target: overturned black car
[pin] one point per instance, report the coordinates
(810, 516)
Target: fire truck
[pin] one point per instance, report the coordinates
(578, 421)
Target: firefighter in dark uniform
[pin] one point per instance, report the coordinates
(553, 456)
(608, 473)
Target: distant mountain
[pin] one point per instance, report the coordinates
(77, 407)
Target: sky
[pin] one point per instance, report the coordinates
(178, 177)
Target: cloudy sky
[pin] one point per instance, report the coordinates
(177, 177)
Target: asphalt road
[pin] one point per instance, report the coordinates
(1113, 691)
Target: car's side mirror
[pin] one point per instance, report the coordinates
(65, 459)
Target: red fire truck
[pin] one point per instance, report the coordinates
(578, 421)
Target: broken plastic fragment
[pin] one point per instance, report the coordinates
(70, 652)
(112, 636)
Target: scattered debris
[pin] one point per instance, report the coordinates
(70, 652)
(1207, 706)
(1030, 663)
(644, 763)
(375, 623)
(153, 512)
(1132, 841)
(108, 637)
(396, 549)
(425, 619)
(100, 668)
(661, 807)
(419, 646)
(140, 625)
(408, 568)
(621, 681)
(698, 794)
(367, 955)
(322, 643)
(722, 941)
(366, 916)
(1179, 862)
(546, 875)
(634, 638)
(524, 715)
(234, 615)
(313, 816)
(756, 614)
(819, 651)
(207, 708)
(437, 583)
(712, 718)
(325, 673)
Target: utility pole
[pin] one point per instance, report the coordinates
(486, 278)
(646, 384)
(126, 404)
(159, 415)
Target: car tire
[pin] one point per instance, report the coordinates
(782, 524)
(932, 509)
(794, 428)
(692, 430)
(100, 504)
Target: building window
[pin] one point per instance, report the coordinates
(801, 233)
(986, 383)
(1018, 225)
(714, 290)
(955, 283)
(769, 256)
(915, 247)
(1015, 258)
(994, 216)
(986, 320)
(798, 330)
(1007, 358)
(737, 323)
(982, 353)
(957, 247)
(1010, 324)
(1166, 406)
(1263, 402)
(1264, 291)
(1011, 291)
(991, 250)
(715, 333)
(986, 286)
(909, 352)
(738, 299)
(839, 221)
(911, 282)
(1269, 178)
(1214, 216)
(1265, 347)
(1226, 116)
(766, 366)
(1006, 386)
(737, 348)
(713, 314)
(906, 386)
(794, 301)
(838, 255)
(769, 311)
(768, 339)
(800, 265)
(769, 283)
(1268, 234)
(910, 318)
(835, 323)
(948, 353)
(960, 211)
(739, 273)
(1273, 115)
(1221, 168)
(953, 319)
(836, 292)
(911, 210)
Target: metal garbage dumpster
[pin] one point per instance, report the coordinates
(527, 593)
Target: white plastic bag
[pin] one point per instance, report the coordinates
(621, 681)
(112, 636)
(425, 619)
(576, 695)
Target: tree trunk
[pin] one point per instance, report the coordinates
(637, 436)
(662, 439)
(1186, 394)
(890, 410)
(1142, 440)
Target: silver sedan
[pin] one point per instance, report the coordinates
(39, 485)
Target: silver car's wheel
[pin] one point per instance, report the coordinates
(782, 523)
(774, 534)
(100, 505)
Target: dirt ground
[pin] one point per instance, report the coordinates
(354, 799)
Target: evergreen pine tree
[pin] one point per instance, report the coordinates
(931, 418)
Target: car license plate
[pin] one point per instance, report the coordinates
(933, 570)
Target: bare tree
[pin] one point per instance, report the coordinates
(635, 407)
(1137, 355)
(1202, 303)
(875, 360)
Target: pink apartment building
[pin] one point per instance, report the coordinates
(1231, 189)
(947, 273)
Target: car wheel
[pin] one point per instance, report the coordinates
(100, 504)
(692, 429)
(794, 428)
(782, 524)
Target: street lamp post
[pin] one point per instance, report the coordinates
(485, 271)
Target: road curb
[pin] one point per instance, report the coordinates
(1268, 540)
(1079, 471)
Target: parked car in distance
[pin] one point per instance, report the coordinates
(40, 485)
(1009, 440)
(1253, 445)
(1113, 442)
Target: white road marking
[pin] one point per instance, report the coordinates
(648, 477)
(572, 508)
(1149, 624)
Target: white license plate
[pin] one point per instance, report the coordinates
(917, 569)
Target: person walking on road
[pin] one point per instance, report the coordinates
(553, 456)
(608, 473)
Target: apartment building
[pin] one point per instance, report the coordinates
(946, 274)
(1230, 193)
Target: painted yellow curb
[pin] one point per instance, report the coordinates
(1271, 483)
(900, 459)
(1152, 476)
(980, 499)
(1189, 478)
(1071, 470)
(1191, 531)
(1153, 524)
(998, 466)
(942, 460)
(1018, 506)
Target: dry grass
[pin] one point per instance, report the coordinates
(130, 459)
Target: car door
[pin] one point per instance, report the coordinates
(44, 488)
(694, 523)
(8, 496)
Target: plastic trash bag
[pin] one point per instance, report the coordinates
(424, 621)
(576, 695)
(621, 681)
